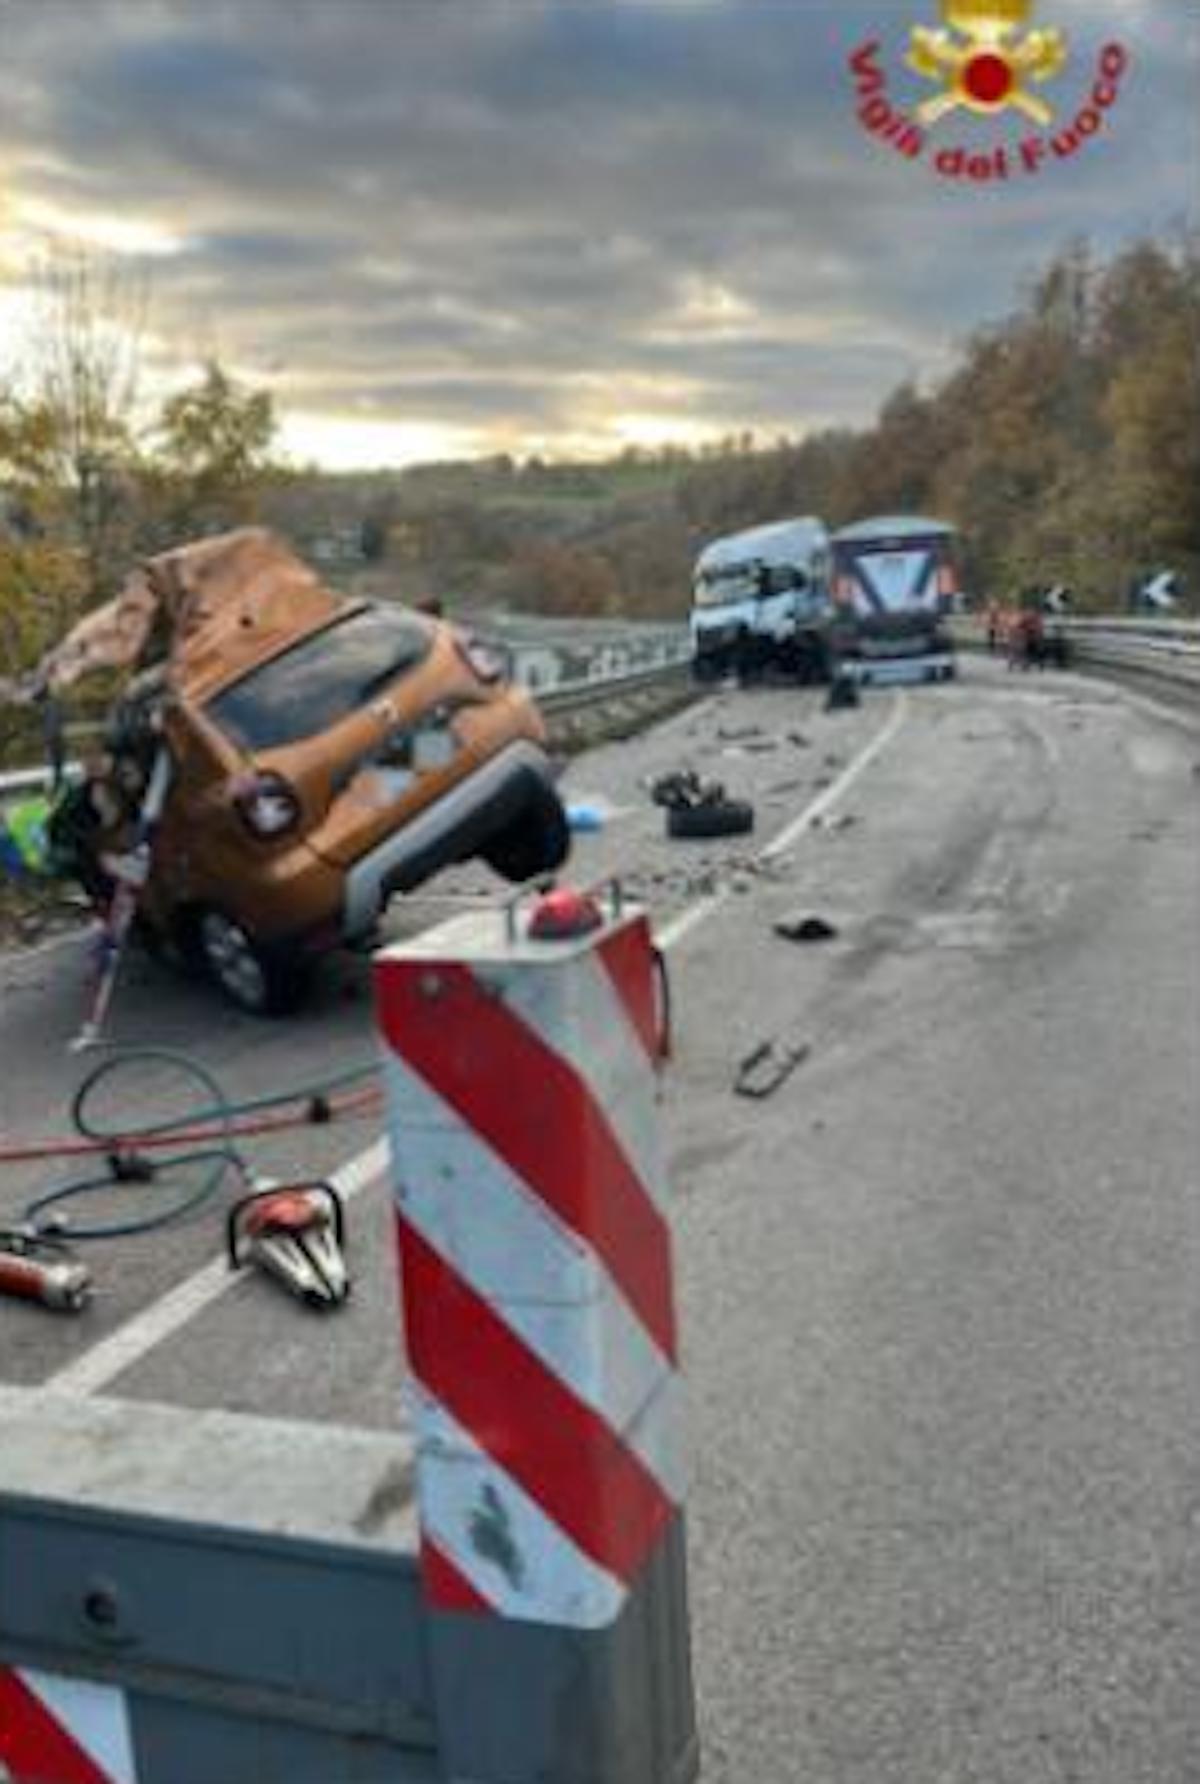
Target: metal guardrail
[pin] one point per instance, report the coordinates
(16, 781)
(578, 695)
(1166, 651)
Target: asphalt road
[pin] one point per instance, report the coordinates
(937, 1292)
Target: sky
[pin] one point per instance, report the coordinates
(445, 228)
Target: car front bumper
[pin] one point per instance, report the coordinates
(448, 830)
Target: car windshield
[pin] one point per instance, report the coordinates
(318, 681)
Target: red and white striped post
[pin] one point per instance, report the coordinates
(523, 1080)
(58, 1730)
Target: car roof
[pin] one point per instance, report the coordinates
(235, 601)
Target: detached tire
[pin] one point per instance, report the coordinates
(537, 842)
(733, 817)
(261, 979)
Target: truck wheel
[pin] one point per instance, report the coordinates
(539, 841)
(747, 659)
(260, 979)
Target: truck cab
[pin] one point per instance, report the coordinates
(760, 598)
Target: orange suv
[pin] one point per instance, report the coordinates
(325, 753)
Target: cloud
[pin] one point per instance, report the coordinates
(508, 212)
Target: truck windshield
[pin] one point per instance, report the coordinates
(742, 582)
(310, 687)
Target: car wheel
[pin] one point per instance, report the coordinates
(265, 981)
(728, 817)
(539, 841)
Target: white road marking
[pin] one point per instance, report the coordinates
(97, 1368)
(695, 914)
(808, 817)
(689, 919)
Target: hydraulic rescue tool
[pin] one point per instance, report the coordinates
(35, 1268)
(129, 874)
(295, 1233)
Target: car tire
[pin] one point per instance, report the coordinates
(261, 979)
(537, 842)
(731, 817)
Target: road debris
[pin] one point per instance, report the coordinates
(768, 1066)
(710, 818)
(843, 693)
(807, 928)
(700, 809)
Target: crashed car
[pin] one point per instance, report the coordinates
(325, 753)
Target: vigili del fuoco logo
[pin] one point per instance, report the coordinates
(985, 62)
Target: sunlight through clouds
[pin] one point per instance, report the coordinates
(465, 227)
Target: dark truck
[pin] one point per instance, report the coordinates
(894, 586)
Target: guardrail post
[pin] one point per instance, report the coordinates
(523, 1092)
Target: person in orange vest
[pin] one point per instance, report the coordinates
(1032, 631)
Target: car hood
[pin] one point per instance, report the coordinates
(213, 610)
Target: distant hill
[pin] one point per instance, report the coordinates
(600, 539)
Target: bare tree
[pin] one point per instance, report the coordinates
(86, 371)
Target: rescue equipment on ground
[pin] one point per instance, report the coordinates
(129, 874)
(156, 1173)
(36, 1268)
(295, 1233)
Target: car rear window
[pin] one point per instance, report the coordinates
(318, 681)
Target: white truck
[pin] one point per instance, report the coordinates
(761, 597)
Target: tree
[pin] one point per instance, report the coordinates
(214, 452)
(75, 449)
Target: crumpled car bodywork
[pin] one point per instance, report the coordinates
(326, 753)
